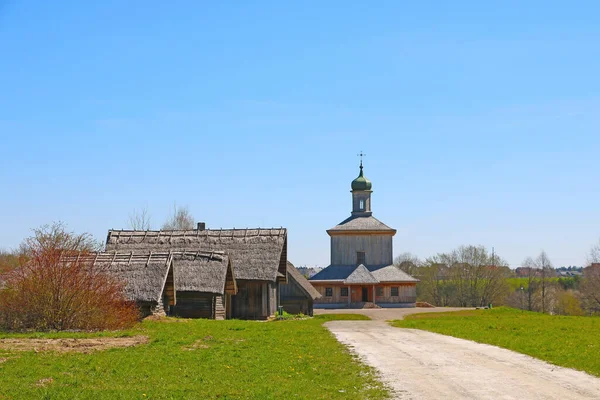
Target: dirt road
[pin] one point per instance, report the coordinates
(424, 365)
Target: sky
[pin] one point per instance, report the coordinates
(480, 120)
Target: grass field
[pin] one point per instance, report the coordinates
(572, 342)
(197, 359)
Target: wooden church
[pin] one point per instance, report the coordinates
(361, 273)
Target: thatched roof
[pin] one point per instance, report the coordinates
(257, 254)
(296, 277)
(200, 271)
(145, 273)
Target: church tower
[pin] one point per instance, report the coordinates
(361, 269)
(361, 195)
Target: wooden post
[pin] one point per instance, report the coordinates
(349, 294)
(373, 294)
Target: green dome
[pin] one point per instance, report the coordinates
(361, 183)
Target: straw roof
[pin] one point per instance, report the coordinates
(257, 254)
(295, 276)
(201, 272)
(145, 273)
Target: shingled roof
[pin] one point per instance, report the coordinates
(361, 223)
(351, 274)
(361, 275)
(257, 254)
(304, 284)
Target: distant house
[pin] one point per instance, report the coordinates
(362, 271)
(187, 284)
(258, 259)
(297, 295)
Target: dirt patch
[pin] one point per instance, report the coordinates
(44, 382)
(205, 342)
(70, 345)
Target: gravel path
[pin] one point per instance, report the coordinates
(425, 365)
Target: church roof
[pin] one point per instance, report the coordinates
(361, 182)
(351, 274)
(360, 275)
(362, 223)
(391, 273)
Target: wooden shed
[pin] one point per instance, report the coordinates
(297, 295)
(259, 258)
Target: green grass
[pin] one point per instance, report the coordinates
(198, 359)
(572, 342)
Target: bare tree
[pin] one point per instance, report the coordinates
(181, 219)
(408, 263)
(530, 267)
(45, 292)
(590, 289)
(140, 220)
(594, 256)
(545, 267)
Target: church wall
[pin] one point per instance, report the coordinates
(407, 293)
(377, 248)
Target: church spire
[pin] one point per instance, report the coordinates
(361, 193)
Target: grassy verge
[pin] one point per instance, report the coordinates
(572, 342)
(198, 359)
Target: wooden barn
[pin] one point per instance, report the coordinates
(297, 295)
(259, 258)
(187, 284)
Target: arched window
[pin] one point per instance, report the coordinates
(361, 204)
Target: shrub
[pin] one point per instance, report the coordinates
(45, 292)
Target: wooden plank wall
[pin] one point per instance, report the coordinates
(194, 305)
(251, 300)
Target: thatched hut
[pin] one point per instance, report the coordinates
(259, 257)
(298, 293)
(190, 284)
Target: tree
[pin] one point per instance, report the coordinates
(594, 256)
(180, 220)
(478, 278)
(46, 292)
(539, 287)
(140, 220)
(590, 288)
(408, 263)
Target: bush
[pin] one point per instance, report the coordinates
(46, 292)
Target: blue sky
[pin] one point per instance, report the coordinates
(480, 120)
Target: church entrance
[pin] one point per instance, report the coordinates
(365, 294)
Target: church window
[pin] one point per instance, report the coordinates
(394, 291)
(328, 292)
(361, 204)
(379, 291)
(344, 292)
(360, 258)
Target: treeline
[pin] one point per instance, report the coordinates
(471, 276)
